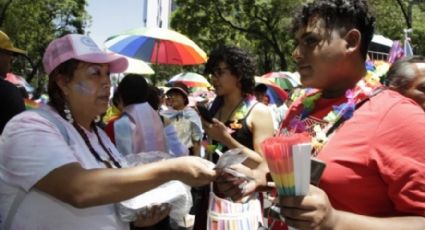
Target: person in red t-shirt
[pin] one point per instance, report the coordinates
(375, 166)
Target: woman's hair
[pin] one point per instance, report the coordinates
(133, 89)
(56, 96)
(240, 63)
(402, 73)
(153, 97)
(116, 99)
(339, 14)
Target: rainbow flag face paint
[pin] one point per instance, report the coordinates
(288, 158)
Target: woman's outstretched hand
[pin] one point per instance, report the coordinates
(193, 171)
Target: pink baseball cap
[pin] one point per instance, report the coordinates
(83, 48)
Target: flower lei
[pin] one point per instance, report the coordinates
(235, 123)
(345, 110)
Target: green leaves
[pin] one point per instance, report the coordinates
(259, 26)
(33, 24)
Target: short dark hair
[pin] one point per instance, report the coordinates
(260, 88)
(402, 73)
(133, 89)
(240, 63)
(153, 97)
(337, 14)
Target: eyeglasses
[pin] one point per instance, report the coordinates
(217, 72)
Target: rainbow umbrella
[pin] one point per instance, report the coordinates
(285, 80)
(190, 79)
(157, 46)
(276, 94)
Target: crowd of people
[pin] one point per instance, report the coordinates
(62, 167)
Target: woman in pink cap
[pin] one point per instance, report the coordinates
(57, 169)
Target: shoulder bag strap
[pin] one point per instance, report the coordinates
(12, 211)
(358, 105)
(50, 117)
(20, 196)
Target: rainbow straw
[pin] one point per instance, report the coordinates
(288, 158)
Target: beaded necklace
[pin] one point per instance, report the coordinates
(96, 155)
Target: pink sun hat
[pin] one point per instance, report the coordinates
(83, 48)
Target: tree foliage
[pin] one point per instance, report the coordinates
(262, 26)
(33, 24)
(391, 21)
(259, 26)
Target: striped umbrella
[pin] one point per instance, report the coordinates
(276, 94)
(158, 46)
(286, 80)
(190, 79)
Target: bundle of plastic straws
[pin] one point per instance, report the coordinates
(288, 158)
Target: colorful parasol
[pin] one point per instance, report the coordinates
(276, 94)
(157, 46)
(286, 80)
(190, 79)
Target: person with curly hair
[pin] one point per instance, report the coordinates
(369, 137)
(232, 73)
(239, 120)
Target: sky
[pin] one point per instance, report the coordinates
(111, 17)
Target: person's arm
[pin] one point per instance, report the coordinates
(236, 188)
(314, 211)
(85, 188)
(45, 161)
(261, 123)
(196, 147)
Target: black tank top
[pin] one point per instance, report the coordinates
(242, 135)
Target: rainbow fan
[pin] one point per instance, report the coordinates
(288, 158)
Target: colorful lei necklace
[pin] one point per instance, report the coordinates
(345, 110)
(235, 122)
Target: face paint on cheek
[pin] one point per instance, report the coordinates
(84, 89)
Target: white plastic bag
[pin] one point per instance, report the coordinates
(174, 193)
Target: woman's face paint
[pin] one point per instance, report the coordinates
(89, 88)
(84, 89)
(92, 72)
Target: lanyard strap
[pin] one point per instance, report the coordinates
(358, 105)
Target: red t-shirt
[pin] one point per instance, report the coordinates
(375, 161)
